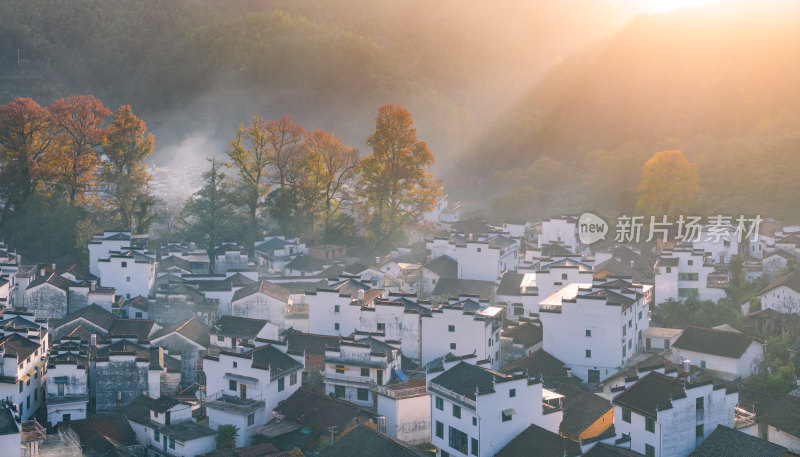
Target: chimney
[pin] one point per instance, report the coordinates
(569, 373)
(377, 260)
(19, 259)
(632, 264)
(54, 266)
(360, 294)
(93, 340)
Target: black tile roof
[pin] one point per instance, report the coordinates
(310, 343)
(444, 267)
(319, 411)
(785, 415)
(716, 342)
(138, 328)
(792, 281)
(187, 431)
(651, 392)
(727, 442)
(535, 441)
(526, 334)
(239, 327)
(91, 313)
(263, 287)
(581, 409)
(272, 358)
(139, 409)
(192, 328)
(363, 441)
(539, 363)
(465, 379)
(306, 264)
(510, 284)
(452, 287)
(114, 426)
(8, 425)
(20, 346)
(607, 450)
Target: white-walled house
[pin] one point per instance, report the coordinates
(355, 369)
(663, 416)
(101, 247)
(166, 428)
(561, 231)
(336, 309)
(776, 263)
(67, 384)
(23, 371)
(131, 272)
(685, 272)
(464, 327)
(720, 350)
(274, 252)
(718, 241)
(398, 318)
(262, 300)
(407, 409)
(122, 370)
(595, 328)
(233, 331)
(483, 258)
(245, 385)
(783, 294)
(477, 411)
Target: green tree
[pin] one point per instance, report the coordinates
(210, 214)
(226, 436)
(669, 185)
(396, 185)
(126, 145)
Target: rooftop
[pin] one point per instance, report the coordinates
(716, 342)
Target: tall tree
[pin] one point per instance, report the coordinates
(285, 140)
(126, 145)
(210, 213)
(396, 186)
(25, 139)
(669, 185)
(250, 154)
(329, 172)
(79, 121)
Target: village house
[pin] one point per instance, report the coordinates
(685, 272)
(595, 328)
(661, 415)
(781, 423)
(561, 231)
(520, 339)
(355, 369)
(186, 341)
(311, 347)
(103, 244)
(364, 441)
(721, 350)
(122, 370)
(131, 272)
(165, 427)
(462, 327)
(729, 442)
(261, 300)
(523, 290)
(336, 309)
(783, 294)
(53, 296)
(230, 256)
(233, 331)
(658, 339)
(406, 407)
(23, 369)
(67, 387)
(481, 258)
(478, 411)
(440, 267)
(100, 435)
(245, 385)
(586, 415)
(398, 318)
(273, 253)
(776, 264)
(545, 443)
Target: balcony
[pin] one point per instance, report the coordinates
(717, 281)
(435, 388)
(398, 394)
(234, 403)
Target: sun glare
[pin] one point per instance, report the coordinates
(666, 6)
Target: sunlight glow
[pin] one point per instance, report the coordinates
(666, 6)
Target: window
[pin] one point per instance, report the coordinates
(630, 323)
(698, 431)
(588, 353)
(506, 415)
(452, 345)
(474, 421)
(588, 332)
(220, 338)
(512, 393)
(439, 404)
(626, 415)
(338, 391)
(60, 388)
(474, 447)
(235, 364)
(650, 424)
(172, 443)
(649, 451)
(381, 327)
(232, 385)
(684, 292)
(640, 314)
(336, 308)
(702, 364)
(479, 249)
(624, 330)
(669, 269)
(155, 414)
(451, 328)
(21, 384)
(336, 326)
(251, 418)
(699, 403)
(28, 402)
(340, 369)
(293, 379)
(458, 440)
(362, 394)
(563, 276)
(124, 264)
(439, 429)
(35, 394)
(688, 276)
(457, 411)
(624, 352)
(156, 435)
(127, 279)
(365, 372)
(690, 262)
(66, 417)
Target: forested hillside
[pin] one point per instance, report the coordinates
(717, 82)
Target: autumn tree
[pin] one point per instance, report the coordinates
(285, 141)
(25, 139)
(210, 214)
(669, 185)
(329, 172)
(79, 122)
(126, 145)
(250, 154)
(395, 184)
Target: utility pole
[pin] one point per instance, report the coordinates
(332, 429)
(17, 56)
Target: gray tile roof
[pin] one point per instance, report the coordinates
(727, 442)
